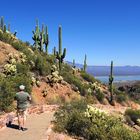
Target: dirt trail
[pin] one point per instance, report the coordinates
(36, 124)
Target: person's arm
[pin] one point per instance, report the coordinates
(15, 97)
(29, 97)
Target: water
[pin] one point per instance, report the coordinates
(104, 79)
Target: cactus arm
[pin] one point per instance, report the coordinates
(59, 54)
(85, 63)
(60, 39)
(9, 28)
(46, 39)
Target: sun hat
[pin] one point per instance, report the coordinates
(21, 87)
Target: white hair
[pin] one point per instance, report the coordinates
(21, 87)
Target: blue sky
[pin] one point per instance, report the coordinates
(105, 30)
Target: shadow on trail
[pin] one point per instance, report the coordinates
(13, 126)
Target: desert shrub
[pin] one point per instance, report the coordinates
(65, 114)
(7, 93)
(50, 59)
(5, 37)
(22, 68)
(100, 96)
(121, 97)
(90, 99)
(134, 115)
(41, 65)
(9, 86)
(72, 79)
(85, 121)
(88, 77)
(66, 68)
(22, 79)
(17, 45)
(54, 99)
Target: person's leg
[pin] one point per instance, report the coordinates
(24, 120)
(19, 120)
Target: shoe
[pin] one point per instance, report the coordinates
(24, 129)
(19, 128)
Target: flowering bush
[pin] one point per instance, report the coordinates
(97, 113)
(91, 123)
(54, 77)
(10, 69)
(13, 60)
(134, 115)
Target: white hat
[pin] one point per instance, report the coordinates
(21, 87)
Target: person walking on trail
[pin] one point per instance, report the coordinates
(22, 99)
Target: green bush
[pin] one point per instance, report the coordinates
(100, 96)
(5, 37)
(7, 93)
(9, 86)
(42, 66)
(88, 77)
(121, 97)
(90, 123)
(72, 79)
(22, 68)
(134, 115)
(66, 112)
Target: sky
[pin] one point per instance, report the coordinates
(105, 30)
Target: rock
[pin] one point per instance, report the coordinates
(74, 88)
(64, 83)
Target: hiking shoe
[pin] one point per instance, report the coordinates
(24, 129)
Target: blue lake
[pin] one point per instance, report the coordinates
(104, 79)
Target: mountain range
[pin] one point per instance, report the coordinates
(105, 70)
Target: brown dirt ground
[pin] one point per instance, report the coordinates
(63, 91)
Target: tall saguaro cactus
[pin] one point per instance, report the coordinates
(36, 35)
(59, 54)
(9, 28)
(54, 51)
(85, 63)
(73, 64)
(41, 39)
(2, 23)
(4, 29)
(54, 54)
(111, 78)
(46, 39)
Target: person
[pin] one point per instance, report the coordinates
(22, 99)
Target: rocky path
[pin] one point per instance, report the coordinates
(37, 125)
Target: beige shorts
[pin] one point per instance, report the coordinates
(21, 113)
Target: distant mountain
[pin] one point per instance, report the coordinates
(105, 70)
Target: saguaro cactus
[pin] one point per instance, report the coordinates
(85, 63)
(9, 28)
(59, 54)
(46, 39)
(4, 29)
(73, 64)
(41, 40)
(111, 78)
(54, 51)
(36, 35)
(2, 23)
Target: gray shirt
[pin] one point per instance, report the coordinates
(22, 100)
